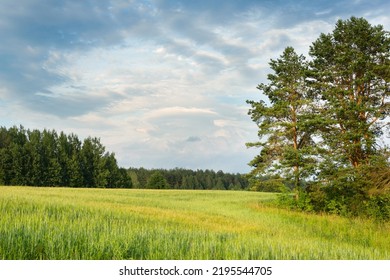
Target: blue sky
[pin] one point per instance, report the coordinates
(162, 83)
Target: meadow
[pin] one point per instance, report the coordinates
(94, 224)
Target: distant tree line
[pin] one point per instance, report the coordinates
(46, 158)
(179, 178)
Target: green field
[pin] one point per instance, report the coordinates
(65, 223)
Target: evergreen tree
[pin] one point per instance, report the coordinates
(35, 149)
(352, 78)
(209, 182)
(45, 159)
(6, 169)
(76, 178)
(52, 167)
(284, 126)
(124, 180)
(342, 98)
(64, 154)
(74, 162)
(219, 185)
(179, 178)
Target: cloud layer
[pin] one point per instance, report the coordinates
(163, 83)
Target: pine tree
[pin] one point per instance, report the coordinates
(284, 125)
(326, 117)
(352, 79)
(35, 149)
(75, 163)
(219, 185)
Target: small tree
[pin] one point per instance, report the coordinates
(157, 181)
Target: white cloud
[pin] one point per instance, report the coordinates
(178, 111)
(324, 12)
(162, 84)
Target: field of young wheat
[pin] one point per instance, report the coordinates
(65, 223)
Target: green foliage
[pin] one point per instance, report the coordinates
(180, 178)
(351, 71)
(284, 125)
(352, 192)
(338, 106)
(274, 183)
(219, 185)
(378, 207)
(299, 201)
(157, 181)
(44, 158)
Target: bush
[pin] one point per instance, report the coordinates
(157, 181)
(350, 198)
(299, 200)
(273, 183)
(378, 207)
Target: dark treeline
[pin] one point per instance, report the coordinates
(179, 178)
(46, 158)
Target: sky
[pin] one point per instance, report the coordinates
(162, 83)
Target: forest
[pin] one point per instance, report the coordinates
(180, 178)
(47, 158)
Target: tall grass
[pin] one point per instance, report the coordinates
(62, 223)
